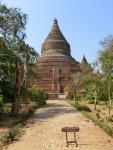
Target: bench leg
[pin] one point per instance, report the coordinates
(75, 139)
(66, 140)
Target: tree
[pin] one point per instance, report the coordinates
(86, 83)
(77, 84)
(20, 55)
(6, 72)
(96, 79)
(106, 63)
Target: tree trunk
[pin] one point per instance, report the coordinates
(16, 106)
(95, 93)
(74, 93)
(110, 101)
(95, 99)
(16, 101)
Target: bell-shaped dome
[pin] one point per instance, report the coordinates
(55, 41)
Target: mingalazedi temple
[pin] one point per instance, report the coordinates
(55, 66)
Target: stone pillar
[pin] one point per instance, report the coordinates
(58, 80)
(58, 88)
(53, 85)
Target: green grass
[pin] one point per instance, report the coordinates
(109, 118)
(80, 107)
(9, 136)
(108, 129)
(103, 125)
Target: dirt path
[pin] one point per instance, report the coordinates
(45, 133)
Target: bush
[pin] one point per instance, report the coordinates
(10, 135)
(109, 118)
(8, 94)
(1, 106)
(91, 101)
(32, 110)
(39, 97)
(1, 101)
(89, 94)
(81, 107)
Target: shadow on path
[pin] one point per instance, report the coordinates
(53, 110)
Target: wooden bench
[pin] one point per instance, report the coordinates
(70, 129)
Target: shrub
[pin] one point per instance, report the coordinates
(8, 94)
(89, 94)
(109, 118)
(82, 107)
(90, 101)
(1, 106)
(32, 110)
(1, 101)
(103, 113)
(10, 135)
(98, 110)
(69, 92)
(39, 97)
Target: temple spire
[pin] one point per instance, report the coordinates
(85, 66)
(55, 21)
(55, 32)
(56, 40)
(84, 60)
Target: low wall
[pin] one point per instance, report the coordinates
(53, 96)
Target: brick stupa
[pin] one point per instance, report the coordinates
(55, 66)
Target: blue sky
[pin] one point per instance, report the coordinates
(84, 23)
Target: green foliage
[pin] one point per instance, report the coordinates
(32, 110)
(103, 93)
(89, 91)
(70, 95)
(16, 56)
(106, 64)
(1, 105)
(90, 101)
(108, 129)
(8, 94)
(10, 135)
(39, 97)
(1, 101)
(69, 91)
(109, 118)
(25, 93)
(81, 107)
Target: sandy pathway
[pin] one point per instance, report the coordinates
(45, 133)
